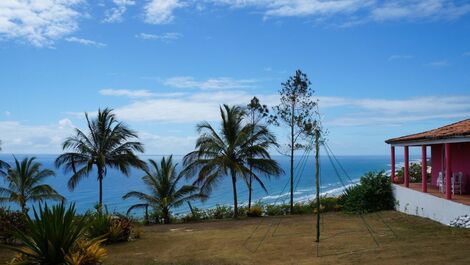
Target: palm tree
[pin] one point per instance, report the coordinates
(3, 164)
(106, 145)
(162, 182)
(237, 151)
(25, 183)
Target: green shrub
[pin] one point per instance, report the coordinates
(255, 211)
(196, 215)
(303, 208)
(373, 193)
(242, 211)
(277, 209)
(220, 212)
(120, 229)
(327, 204)
(99, 223)
(415, 173)
(112, 228)
(57, 236)
(10, 221)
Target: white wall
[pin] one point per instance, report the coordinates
(425, 205)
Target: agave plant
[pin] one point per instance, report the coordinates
(57, 236)
(25, 183)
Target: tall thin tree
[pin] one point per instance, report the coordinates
(230, 152)
(296, 110)
(256, 114)
(108, 143)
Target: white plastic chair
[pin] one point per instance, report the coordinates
(440, 182)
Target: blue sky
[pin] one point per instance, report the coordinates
(379, 68)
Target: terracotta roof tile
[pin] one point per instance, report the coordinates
(454, 130)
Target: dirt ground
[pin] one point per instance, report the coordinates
(378, 238)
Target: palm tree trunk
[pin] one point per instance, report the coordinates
(147, 214)
(250, 181)
(250, 189)
(292, 148)
(100, 180)
(166, 215)
(235, 203)
(24, 210)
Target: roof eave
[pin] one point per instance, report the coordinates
(455, 139)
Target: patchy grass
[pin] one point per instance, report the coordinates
(379, 238)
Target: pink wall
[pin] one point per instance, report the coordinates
(460, 157)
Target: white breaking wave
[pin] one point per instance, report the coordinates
(304, 195)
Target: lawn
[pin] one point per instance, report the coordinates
(385, 238)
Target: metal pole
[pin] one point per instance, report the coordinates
(317, 179)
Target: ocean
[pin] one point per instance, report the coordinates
(115, 184)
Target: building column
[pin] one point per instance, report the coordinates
(424, 169)
(392, 155)
(407, 167)
(448, 171)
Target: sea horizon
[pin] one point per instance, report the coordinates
(85, 195)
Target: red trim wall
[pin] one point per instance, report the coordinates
(460, 156)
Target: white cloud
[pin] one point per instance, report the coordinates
(65, 123)
(164, 144)
(7, 113)
(209, 84)
(400, 57)
(37, 139)
(85, 42)
(20, 138)
(393, 120)
(116, 13)
(285, 8)
(438, 64)
(415, 9)
(38, 22)
(141, 93)
(161, 11)
(190, 108)
(355, 12)
(126, 92)
(396, 111)
(166, 37)
(314, 7)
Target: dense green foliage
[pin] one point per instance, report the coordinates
(25, 183)
(327, 204)
(238, 150)
(11, 221)
(108, 144)
(165, 193)
(57, 236)
(373, 193)
(255, 211)
(415, 173)
(112, 228)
